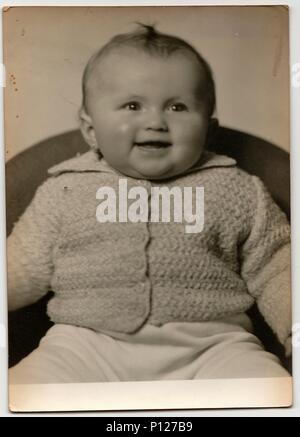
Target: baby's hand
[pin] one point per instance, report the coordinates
(288, 347)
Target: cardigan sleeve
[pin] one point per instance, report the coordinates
(29, 249)
(266, 263)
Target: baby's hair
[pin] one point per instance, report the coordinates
(149, 40)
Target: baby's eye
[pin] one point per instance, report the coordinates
(178, 107)
(132, 106)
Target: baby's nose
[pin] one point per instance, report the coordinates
(156, 121)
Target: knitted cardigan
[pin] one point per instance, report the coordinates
(119, 276)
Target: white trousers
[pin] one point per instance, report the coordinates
(218, 349)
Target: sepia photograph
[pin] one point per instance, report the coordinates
(148, 207)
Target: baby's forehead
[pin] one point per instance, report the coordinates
(113, 62)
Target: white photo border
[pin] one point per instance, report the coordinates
(294, 6)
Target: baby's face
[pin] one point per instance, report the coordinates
(146, 114)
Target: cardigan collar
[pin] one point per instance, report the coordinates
(90, 162)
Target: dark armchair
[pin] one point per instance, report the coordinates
(27, 170)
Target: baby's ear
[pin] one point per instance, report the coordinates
(87, 129)
(212, 131)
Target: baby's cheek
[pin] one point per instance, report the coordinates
(196, 141)
(191, 138)
(125, 128)
(190, 128)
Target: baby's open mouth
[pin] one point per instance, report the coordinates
(153, 144)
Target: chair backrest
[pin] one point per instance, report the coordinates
(26, 171)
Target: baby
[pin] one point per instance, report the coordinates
(142, 299)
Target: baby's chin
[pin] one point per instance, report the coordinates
(154, 174)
